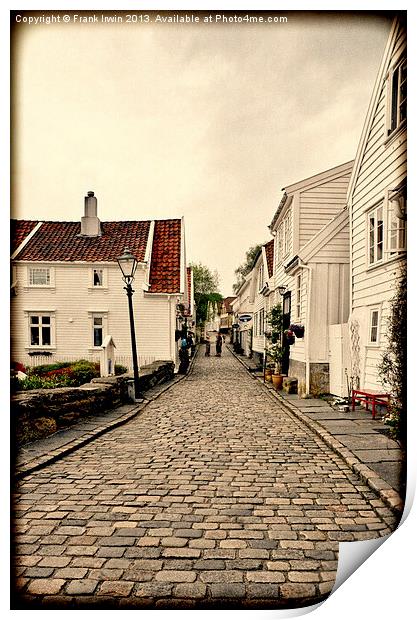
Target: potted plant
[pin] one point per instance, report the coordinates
(275, 352)
(268, 373)
(274, 348)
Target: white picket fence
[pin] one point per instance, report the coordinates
(30, 361)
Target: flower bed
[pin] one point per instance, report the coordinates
(61, 374)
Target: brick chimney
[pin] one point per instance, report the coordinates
(90, 224)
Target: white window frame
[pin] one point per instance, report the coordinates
(287, 234)
(96, 314)
(396, 221)
(397, 78)
(103, 284)
(50, 283)
(40, 314)
(373, 212)
(280, 244)
(393, 206)
(372, 311)
(261, 281)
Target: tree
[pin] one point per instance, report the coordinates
(246, 267)
(393, 366)
(206, 290)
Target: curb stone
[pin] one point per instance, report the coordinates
(54, 455)
(387, 494)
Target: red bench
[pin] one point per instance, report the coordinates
(370, 397)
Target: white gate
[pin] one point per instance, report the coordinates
(339, 359)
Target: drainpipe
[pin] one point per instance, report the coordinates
(308, 322)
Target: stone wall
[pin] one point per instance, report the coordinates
(39, 413)
(319, 377)
(297, 369)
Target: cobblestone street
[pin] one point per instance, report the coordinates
(215, 495)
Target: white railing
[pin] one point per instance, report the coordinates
(29, 361)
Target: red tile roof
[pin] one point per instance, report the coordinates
(227, 301)
(19, 230)
(61, 241)
(165, 269)
(269, 250)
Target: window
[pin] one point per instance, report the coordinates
(97, 331)
(375, 235)
(287, 233)
(40, 330)
(261, 322)
(284, 237)
(398, 96)
(387, 226)
(396, 220)
(255, 324)
(374, 327)
(98, 277)
(298, 296)
(261, 277)
(39, 276)
(280, 242)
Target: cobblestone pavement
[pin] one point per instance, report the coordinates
(214, 496)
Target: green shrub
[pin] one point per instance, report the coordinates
(83, 371)
(119, 369)
(33, 382)
(45, 368)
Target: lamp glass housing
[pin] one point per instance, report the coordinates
(127, 263)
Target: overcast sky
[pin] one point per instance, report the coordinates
(203, 121)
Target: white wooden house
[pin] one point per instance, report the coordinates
(242, 307)
(226, 316)
(311, 269)
(377, 203)
(260, 294)
(68, 293)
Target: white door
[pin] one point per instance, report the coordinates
(339, 359)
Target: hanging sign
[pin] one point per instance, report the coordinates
(245, 318)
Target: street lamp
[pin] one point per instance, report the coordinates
(282, 290)
(128, 263)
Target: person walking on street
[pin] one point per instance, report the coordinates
(207, 345)
(219, 344)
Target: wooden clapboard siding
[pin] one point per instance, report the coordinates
(336, 249)
(321, 241)
(73, 300)
(319, 205)
(380, 166)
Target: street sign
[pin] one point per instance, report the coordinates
(245, 318)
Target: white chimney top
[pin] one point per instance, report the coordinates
(90, 224)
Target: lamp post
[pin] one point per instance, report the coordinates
(282, 290)
(128, 263)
